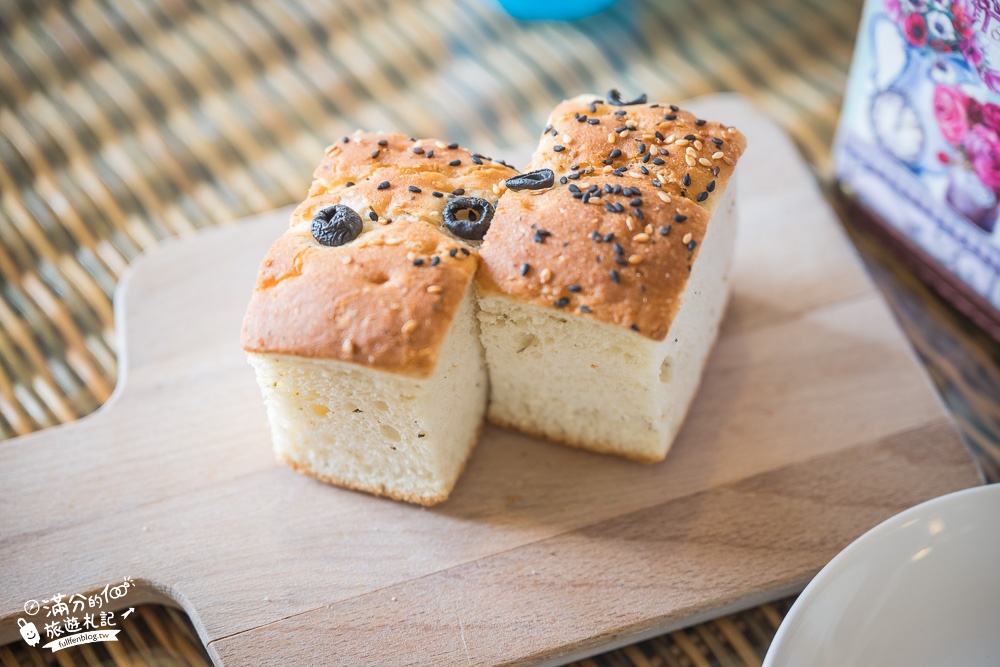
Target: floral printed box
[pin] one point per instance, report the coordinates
(919, 138)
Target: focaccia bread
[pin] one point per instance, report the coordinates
(362, 327)
(602, 284)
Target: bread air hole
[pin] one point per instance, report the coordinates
(666, 370)
(389, 433)
(378, 279)
(525, 341)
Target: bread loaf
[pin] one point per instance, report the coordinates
(362, 326)
(600, 297)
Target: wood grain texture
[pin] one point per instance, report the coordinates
(814, 422)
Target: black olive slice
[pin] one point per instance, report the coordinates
(533, 180)
(473, 229)
(615, 98)
(336, 225)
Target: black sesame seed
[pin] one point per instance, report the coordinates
(635, 202)
(373, 216)
(558, 149)
(642, 148)
(618, 188)
(465, 251)
(593, 107)
(715, 171)
(619, 250)
(607, 189)
(670, 116)
(563, 180)
(574, 288)
(430, 153)
(375, 153)
(594, 121)
(674, 107)
(418, 150)
(435, 260)
(384, 185)
(574, 176)
(538, 238)
(584, 309)
(453, 145)
(344, 140)
(620, 112)
(437, 194)
(634, 328)
(383, 142)
(453, 252)
(699, 122)
(643, 170)
(658, 161)
(476, 160)
(686, 180)
(614, 276)
(692, 244)
(711, 186)
(414, 188)
(690, 137)
(620, 129)
(458, 192)
(619, 207)
(595, 237)
(547, 129)
(702, 196)
(615, 154)
(525, 268)
(658, 135)
(573, 187)
(608, 238)
(717, 141)
(680, 218)
(349, 184)
(639, 214)
(418, 261)
(561, 302)
(454, 163)
(664, 151)
(656, 183)
(609, 207)
(665, 230)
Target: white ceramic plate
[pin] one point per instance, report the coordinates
(920, 589)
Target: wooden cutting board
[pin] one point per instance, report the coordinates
(814, 422)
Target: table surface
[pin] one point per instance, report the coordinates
(123, 123)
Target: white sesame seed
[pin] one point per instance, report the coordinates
(686, 239)
(611, 138)
(705, 162)
(545, 276)
(409, 326)
(441, 145)
(641, 238)
(393, 241)
(690, 160)
(628, 223)
(635, 259)
(347, 259)
(648, 229)
(623, 134)
(567, 139)
(669, 139)
(728, 160)
(347, 347)
(634, 174)
(607, 169)
(690, 151)
(698, 144)
(682, 142)
(717, 154)
(434, 289)
(664, 197)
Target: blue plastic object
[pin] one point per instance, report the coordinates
(554, 10)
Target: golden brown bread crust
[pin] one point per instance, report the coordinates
(386, 299)
(633, 279)
(687, 146)
(650, 226)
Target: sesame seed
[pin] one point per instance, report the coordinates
(690, 160)
(623, 134)
(574, 288)
(698, 145)
(347, 347)
(458, 192)
(717, 154)
(686, 238)
(646, 157)
(686, 180)
(635, 202)
(418, 150)
(614, 276)
(641, 238)
(716, 141)
(634, 327)
(465, 251)
(699, 122)
(347, 259)
(615, 154)
(476, 160)
(594, 121)
(642, 148)
(681, 142)
(454, 163)
(728, 160)
(711, 186)
(409, 326)
(702, 196)
(383, 185)
(618, 248)
(611, 138)
(452, 145)
(434, 289)
(558, 149)
(705, 162)
(561, 302)
(664, 197)
(419, 261)
(375, 153)
(585, 309)
(692, 245)
(349, 184)
(525, 268)
(437, 194)
(373, 216)
(679, 218)
(609, 237)
(545, 276)
(453, 252)
(430, 153)
(664, 230)
(635, 259)
(435, 260)
(414, 188)
(658, 161)
(566, 139)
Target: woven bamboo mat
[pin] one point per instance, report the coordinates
(123, 123)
